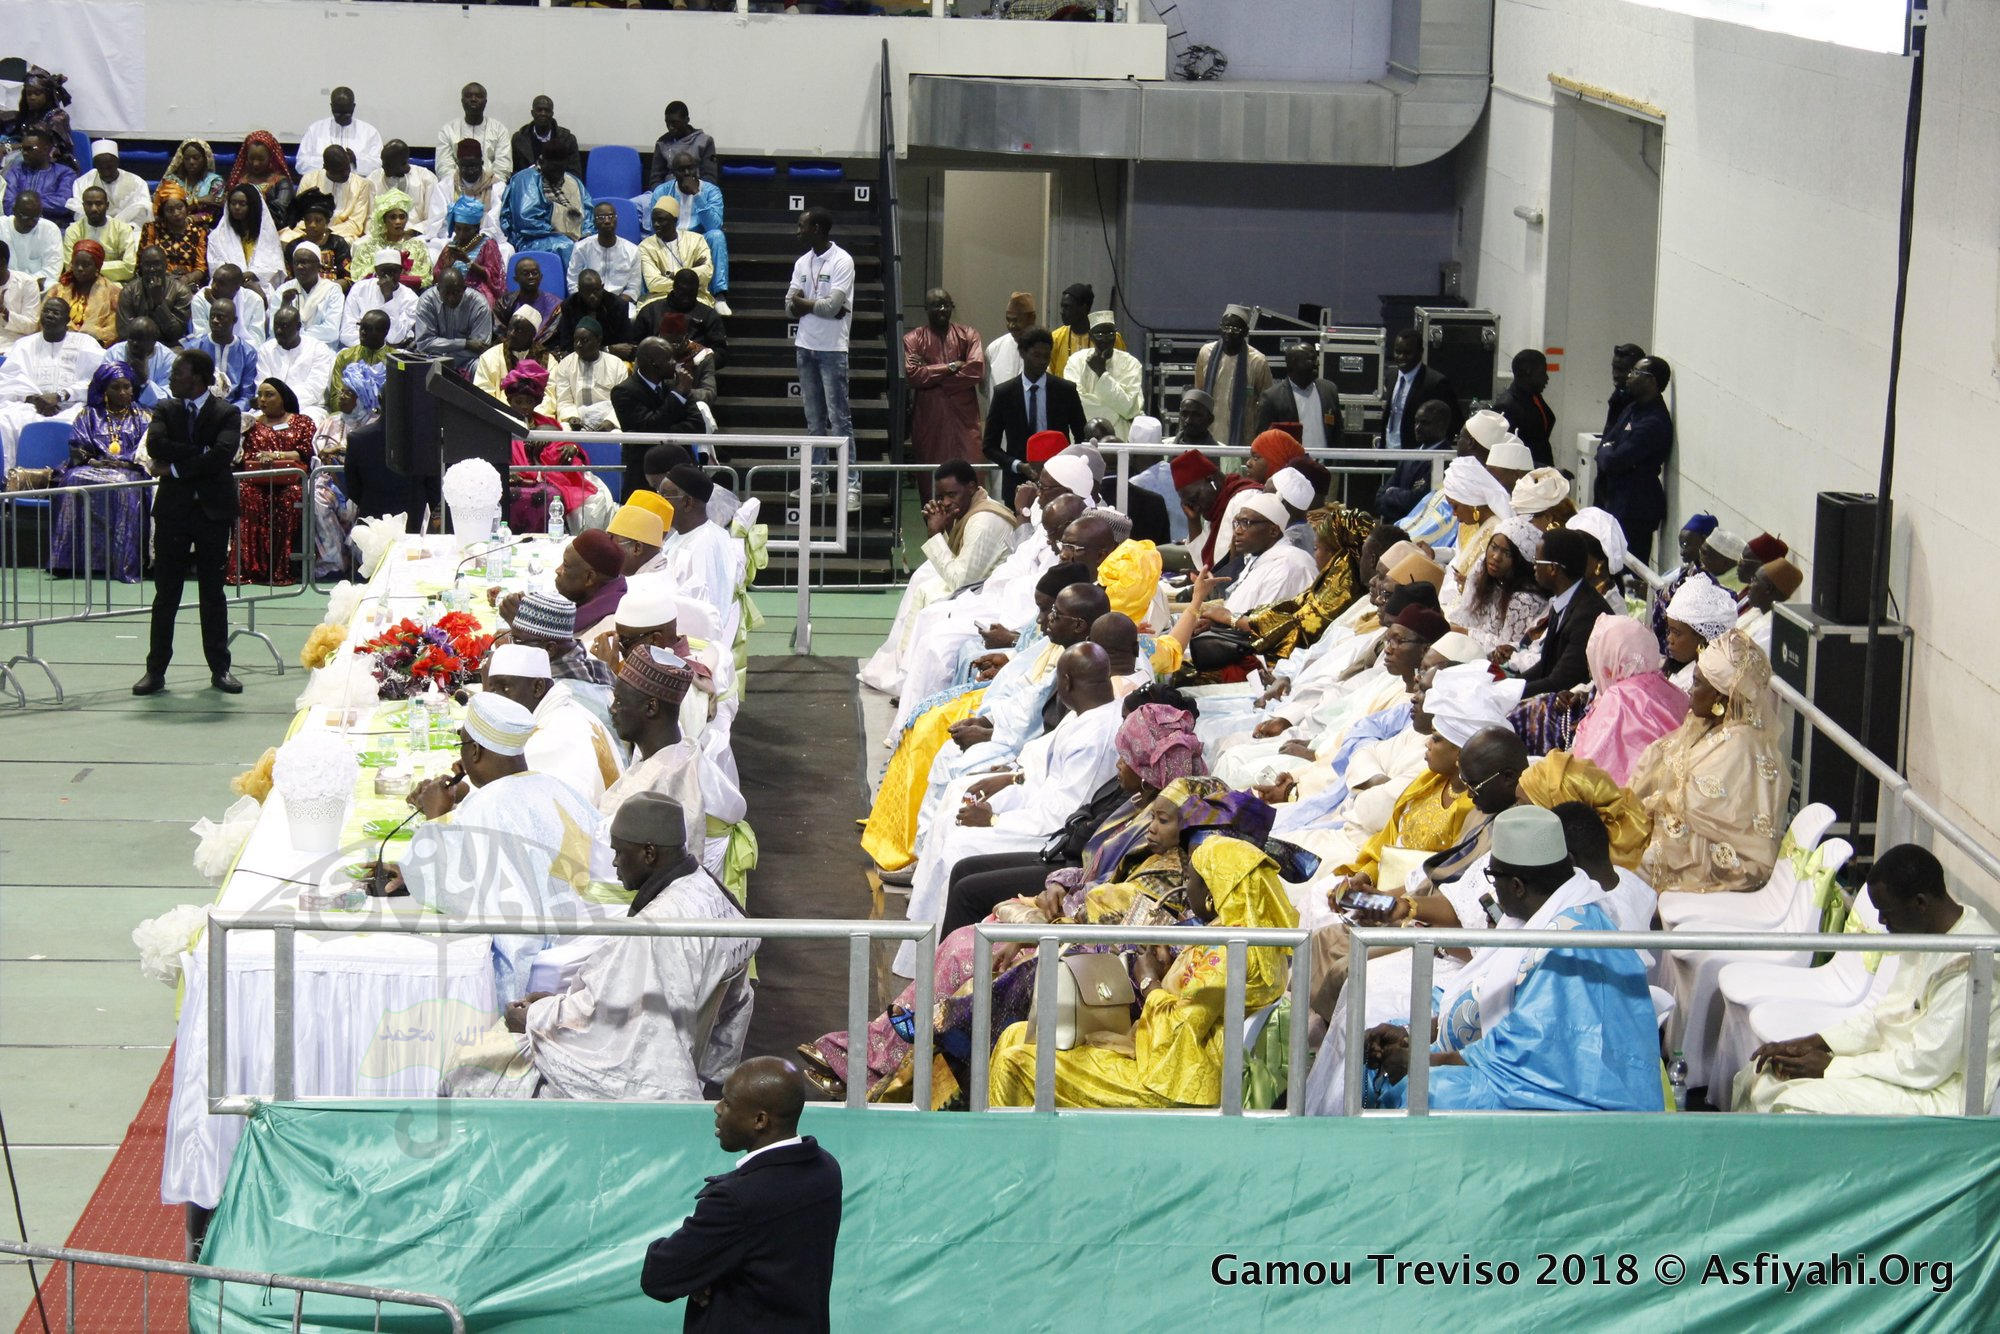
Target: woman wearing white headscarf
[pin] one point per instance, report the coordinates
(1700, 612)
(1502, 602)
(1716, 785)
(1479, 502)
(1607, 578)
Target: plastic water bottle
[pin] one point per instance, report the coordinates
(418, 721)
(1677, 1079)
(438, 709)
(555, 516)
(496, 555)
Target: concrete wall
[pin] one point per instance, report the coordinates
(759, 83)
(1781, 183)
(1314, 41)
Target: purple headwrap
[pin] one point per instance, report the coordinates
(1159, 744)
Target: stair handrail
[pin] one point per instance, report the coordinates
(892, 288)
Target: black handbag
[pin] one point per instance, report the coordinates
(1218, 647)
(1065, 846)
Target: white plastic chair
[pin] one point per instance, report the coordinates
(1759, 909)
(1693, 975)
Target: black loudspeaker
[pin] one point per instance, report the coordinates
(1844, 555)
(1825, 661)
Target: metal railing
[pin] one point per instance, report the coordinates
(1340, 462)
(28, 589)
(899, 475)
(70, 1257)
(1048, 940)
(285, 926)
(1423, 941)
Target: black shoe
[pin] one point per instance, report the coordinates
(152, 683)
(226, 683)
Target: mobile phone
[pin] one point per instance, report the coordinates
(1362, 900)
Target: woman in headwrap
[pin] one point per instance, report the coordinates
(389, 229)
(180, 238)
(1269, 452)
(1716, 785)
(472, 252)
(248, 237)
(192, 170)
(1175, 1054)
(1693, 534)
(43, 97)
(1543, 496)
(1502, 602)
(1156, 748)
(1700, 612)
(1561, 776)
(1479, 502)
(92, 298)
(1634, 705)
(276, 435)
(1607, 575)
(104, 444)
(260, 163)
(526, 389)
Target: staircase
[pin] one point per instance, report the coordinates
(759, 393)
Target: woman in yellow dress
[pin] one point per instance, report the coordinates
(1173, 1055)
(1716, 785)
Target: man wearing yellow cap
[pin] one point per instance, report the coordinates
(669, 250)
(639, 534)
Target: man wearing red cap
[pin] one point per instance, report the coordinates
(592, 575)
(1759, 552)
(1205, 495)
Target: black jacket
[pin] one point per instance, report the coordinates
(1629, 462)
(757, 1252)
(1148, 512)
(640, 407)
(1429, 385)
(1276, 404)
(1007, 429)
(198, 465)
(1563, 665)
(1532, 419)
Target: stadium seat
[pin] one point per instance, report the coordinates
(43, 444)
(1680, 911)
(629, 225)
(555, 278)
(750, 171)
(612, 170)
(600, 453)
(815, 171)
(82, 142)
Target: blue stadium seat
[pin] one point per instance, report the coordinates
(749, 171)
(815, 171)
(629, 225)
(82, 142)
(43, 444)
(601, 452)
(555, 279)
(613, 170)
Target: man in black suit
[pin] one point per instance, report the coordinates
(1574, 607)
(1413, 385)
(657, 396)
(192, 443)
(1033, 401)
(1303, 396)
(1524, 407)
(1633, 454)
(757, 1253)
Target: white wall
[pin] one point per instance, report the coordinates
(1313, 41)
(759, 83)
(1777, 258)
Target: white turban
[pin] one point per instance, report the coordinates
(1457, 648)
(1266, 505)
(1609, 534)
(1486, 426)
(1467, 482)
(1510, 452)
(1542, 489)
(306, 248)
(648, 601)
(1072, 471)
(1463, 705)
(1704, 606)
(1145, 431)
(1293, 488)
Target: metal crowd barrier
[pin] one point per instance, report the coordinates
(147, 1266)
(898, 473)
(1339, 461)
(29, 596)
(1423, 941)
(285, 926)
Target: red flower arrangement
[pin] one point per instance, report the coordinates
(411, 657)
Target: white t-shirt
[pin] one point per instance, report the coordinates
(825, 279)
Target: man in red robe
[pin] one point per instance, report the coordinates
(944, 364)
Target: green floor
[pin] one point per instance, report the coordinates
(94, 839)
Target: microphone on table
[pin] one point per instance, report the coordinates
(378, 878)
(482, 555)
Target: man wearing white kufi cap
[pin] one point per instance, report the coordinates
(502, 841)
(1273, 569)
(1109, 379)
(568, 741)
(131, 200)
(1296, 490)
(659, 1018)
(1233, 374)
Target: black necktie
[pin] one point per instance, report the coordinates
(1034, 412)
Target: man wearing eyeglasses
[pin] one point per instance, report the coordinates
(1634, 453)
(700, 203)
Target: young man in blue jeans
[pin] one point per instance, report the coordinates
(821, 299)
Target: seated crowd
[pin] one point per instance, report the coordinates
(297, 286)
(1449, 713)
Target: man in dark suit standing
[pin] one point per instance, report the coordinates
(1574, 607)
(1524, 407)
(1633, 454)
(192, 443)
(1033, 401)
(657, 396)
(1413, 385)
(1305, 397)
(757, 1253)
